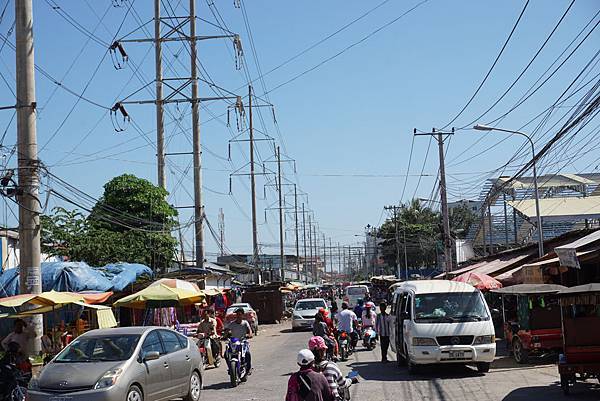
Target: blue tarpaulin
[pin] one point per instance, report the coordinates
(78, 277)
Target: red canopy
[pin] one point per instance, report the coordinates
(480, 281)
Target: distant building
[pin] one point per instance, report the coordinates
(9, 250)
(472, 205)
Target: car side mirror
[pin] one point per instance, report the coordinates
(495, 313)
(151, 356)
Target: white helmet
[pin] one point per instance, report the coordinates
(305, 357)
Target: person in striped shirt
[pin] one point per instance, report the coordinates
(330, 370)
(383, 329)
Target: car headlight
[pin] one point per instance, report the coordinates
(34, 384)
(423, 341)
(108, 379)
(484, 340)
(297, 316)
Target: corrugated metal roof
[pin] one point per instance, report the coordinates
(560, 207)
(581, 242)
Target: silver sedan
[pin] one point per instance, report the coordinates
(123, 364)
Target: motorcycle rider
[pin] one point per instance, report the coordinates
(240, 328)
(346, 322)
(321, 329)
(307, 384)
(330, 370)
(207, 328)
(369, 315)
(358, 309)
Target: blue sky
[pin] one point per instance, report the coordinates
(348, 123)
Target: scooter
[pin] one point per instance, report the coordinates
(235, 355)
(369, 338)
(15, 374)
(210, 357)
(344, 345)
(345, 391)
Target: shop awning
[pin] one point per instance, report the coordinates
(582, 242)
(492, 267)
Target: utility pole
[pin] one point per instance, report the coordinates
(196, 144)
(304, 244)
(280, 187)
(331, 259)
(297, 233)
(30, 276)
(324, 255)
(394, 210)
(310, 247)
(316, 253)
(222, 231)
(255, 256)
(440, 136)
(339, 270)
(160, 127)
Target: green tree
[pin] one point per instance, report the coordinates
(461, 220)
(421, 225)
(131, 222)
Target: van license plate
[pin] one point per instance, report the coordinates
(457, 354)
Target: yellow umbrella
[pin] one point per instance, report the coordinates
(159, 296)
(49, 298)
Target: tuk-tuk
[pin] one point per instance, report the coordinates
(580, 315)
(531, 317)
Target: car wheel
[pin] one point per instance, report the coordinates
(134, 394)
(483, 367)
(195, 388)
(411, 366)
(520, 354)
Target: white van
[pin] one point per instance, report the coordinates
(353, 293)
(440, 321)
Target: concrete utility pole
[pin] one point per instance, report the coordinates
(160, 127)
(297, 233)
(324, 255)
(255, 256)
(439, 136)
(330, 258)
(339, 270)
(304, 264)
(280, 191)
(310, 247)
(394, 210)
(222, 232)
(28, 197)
(197, 151)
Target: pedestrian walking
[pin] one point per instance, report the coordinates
(383, 328)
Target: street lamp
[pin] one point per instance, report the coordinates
(481, 127)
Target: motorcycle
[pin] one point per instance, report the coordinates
(344, 345)
(369, 338)
(210, 357)
(345, 391)
(235, 355)
(15, 374)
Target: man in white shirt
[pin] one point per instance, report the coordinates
(19, 335)
(346, 321)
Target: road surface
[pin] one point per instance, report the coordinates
(274, 358)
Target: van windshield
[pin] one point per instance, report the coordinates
(450, 307)
(356, 290)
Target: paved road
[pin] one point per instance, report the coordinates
(274, 353)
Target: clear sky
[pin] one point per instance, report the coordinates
(348, 123)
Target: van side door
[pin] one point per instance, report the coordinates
(393, 319)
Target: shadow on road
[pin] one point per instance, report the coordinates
(507, 362)
(581, 391)
(390, 372)
(218, 386)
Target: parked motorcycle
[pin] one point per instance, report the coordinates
(235, 355)
(369, 338)
(210, 356)
(15, 374)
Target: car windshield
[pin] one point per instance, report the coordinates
(308, 305)
(450, 307)
(233, 309)
(99, 349)
(356, 291)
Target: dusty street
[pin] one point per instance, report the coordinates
(274, 353)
